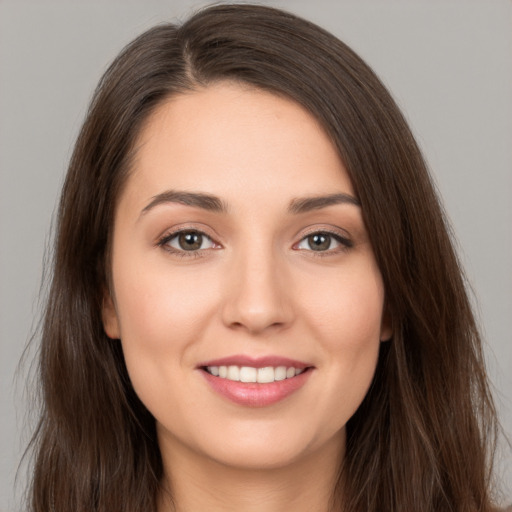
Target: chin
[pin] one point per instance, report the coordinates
(272, 449)
(257, 459)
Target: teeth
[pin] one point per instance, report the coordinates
(280, 373)
(233, 373)
(265, 375)
(250, 374)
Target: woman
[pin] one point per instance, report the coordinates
(255, 302)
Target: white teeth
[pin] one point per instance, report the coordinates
(280, 373)
(250, 374)
(233, 373)
(265, 375)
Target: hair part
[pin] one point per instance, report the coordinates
(422, 439)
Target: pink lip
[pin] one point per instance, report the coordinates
(253, 394)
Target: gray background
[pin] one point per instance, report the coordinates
(448, 64)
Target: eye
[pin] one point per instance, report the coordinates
(188, 240)
(323, 241)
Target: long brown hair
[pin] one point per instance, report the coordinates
(422, 440)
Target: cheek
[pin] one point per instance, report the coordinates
(158, 304)
(161, 315)
(346, 309)
(347, 326)
(352, 338)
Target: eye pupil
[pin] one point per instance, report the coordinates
(190, 241)
(319, 242)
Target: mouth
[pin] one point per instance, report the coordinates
(264, 375)
(255, 382)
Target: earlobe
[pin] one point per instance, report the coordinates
(109, 317)
(386, 328)
(386, 334)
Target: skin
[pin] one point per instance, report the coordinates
(255, 287)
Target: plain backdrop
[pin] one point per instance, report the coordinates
(448, 63)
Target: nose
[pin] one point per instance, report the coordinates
(257, 294)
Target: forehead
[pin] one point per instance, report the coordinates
(236, 142)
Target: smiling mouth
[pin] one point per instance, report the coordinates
(251, 374)
(255, 382)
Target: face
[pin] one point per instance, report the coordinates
(240, 252)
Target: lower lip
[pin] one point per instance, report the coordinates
(253, 394)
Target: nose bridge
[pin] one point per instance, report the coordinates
(256, 297)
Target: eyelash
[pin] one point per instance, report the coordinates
(163, 242)
(182, 253)
(345, 243)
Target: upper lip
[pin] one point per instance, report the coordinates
(255, 362)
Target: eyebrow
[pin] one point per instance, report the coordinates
(215, 204)
(307, 204)
(197, 199)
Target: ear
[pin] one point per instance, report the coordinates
(109, 317)
(386, 326)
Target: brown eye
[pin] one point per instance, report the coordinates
(190, 241)
(319, 241)
(187, 241)
(323, 241)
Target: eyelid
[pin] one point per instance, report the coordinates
(325, 228)
(341, 237)
(163, 240)
(176, 237)
(199, 227)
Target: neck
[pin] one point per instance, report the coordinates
(197, 483)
